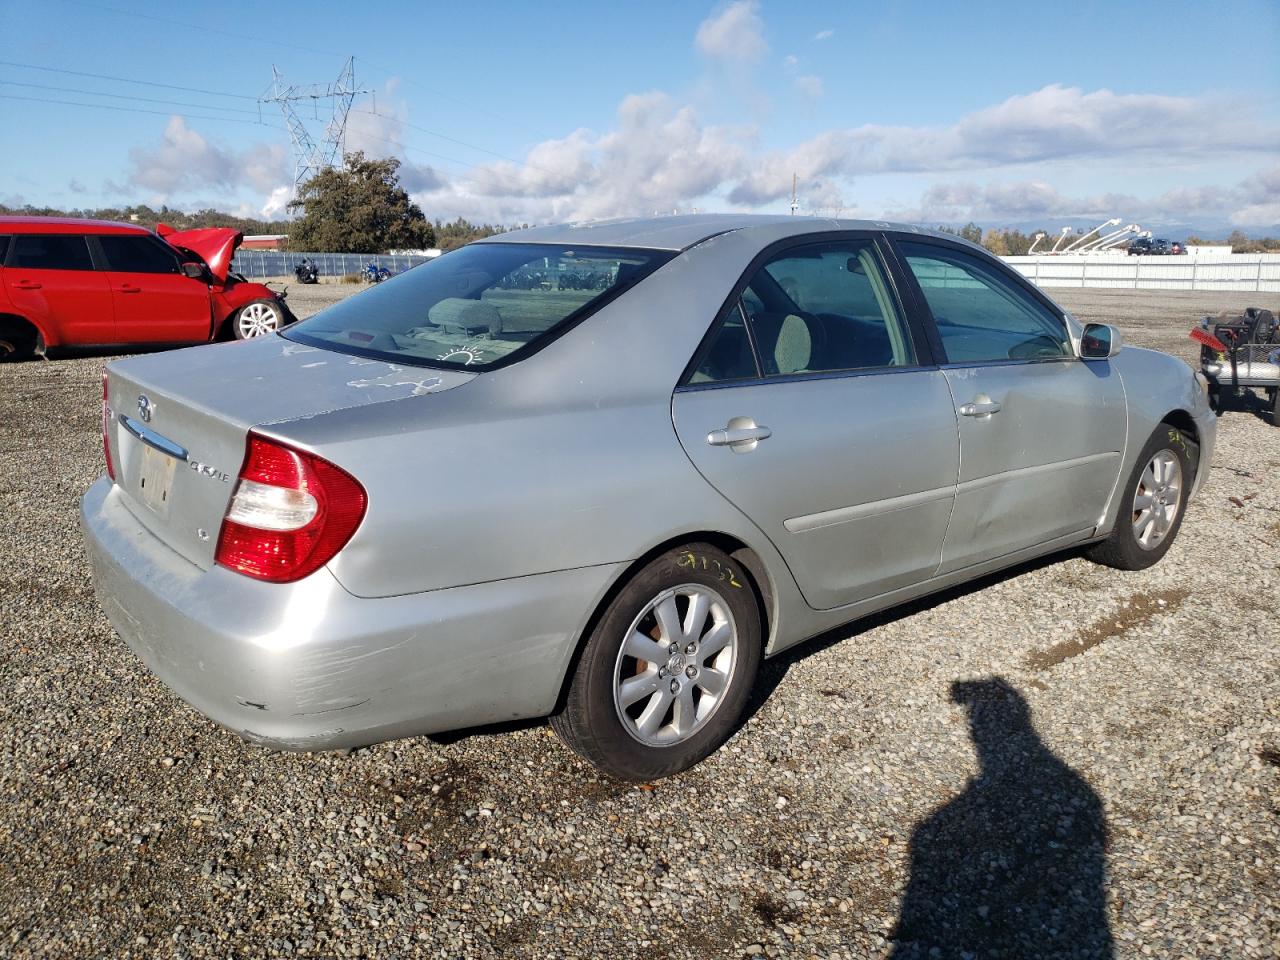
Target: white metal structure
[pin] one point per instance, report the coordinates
(309, 157)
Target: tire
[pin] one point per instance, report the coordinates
(18, 342)
(641, 729)
(1161, 479)
(256, 318)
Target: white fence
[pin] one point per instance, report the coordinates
(1237, 271)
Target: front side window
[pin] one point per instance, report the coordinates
(50, 251)
(138, 254)
(4, 249)
(480, 305)
(815, 308)
(981, 315)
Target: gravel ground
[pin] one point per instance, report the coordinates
(1061, 760)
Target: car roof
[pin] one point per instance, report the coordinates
(679, 232)
(66, 225)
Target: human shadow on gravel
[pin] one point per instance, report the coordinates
(1015, 866)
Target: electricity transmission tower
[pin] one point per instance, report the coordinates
(310, 158)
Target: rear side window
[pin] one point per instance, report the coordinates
(479, 306)
(816, 308)
(138, 254)
(980, 314)
(50, 251)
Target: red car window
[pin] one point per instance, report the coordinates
(138, 254)
(50, 251)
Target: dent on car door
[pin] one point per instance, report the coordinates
(809, 410)
(154, 301)
(1041, 431)
(50, 279)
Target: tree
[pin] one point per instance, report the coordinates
(358, 208)
(971, 232)
(997, 242)
(450, 236)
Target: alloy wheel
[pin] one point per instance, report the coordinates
(1157, 499)
(257, 319)
(675, 665)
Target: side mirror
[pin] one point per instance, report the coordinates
(1100, 341)
(195, 271)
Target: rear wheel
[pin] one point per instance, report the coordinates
(666, 673)
(1152, 503)
(257, 318)
(18, 340)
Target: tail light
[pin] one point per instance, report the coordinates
(106, 424)
(290, 514)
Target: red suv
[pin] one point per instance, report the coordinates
(67, 282)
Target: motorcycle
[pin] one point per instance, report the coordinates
(373, 273)
(306, 271)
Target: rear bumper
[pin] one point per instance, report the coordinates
(308, 666)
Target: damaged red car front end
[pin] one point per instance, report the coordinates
(230, 293)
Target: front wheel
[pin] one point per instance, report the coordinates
(1152, 503)
(666, 673)
(257, 318)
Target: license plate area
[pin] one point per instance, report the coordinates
(155, 479)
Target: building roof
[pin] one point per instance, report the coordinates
(681, 231)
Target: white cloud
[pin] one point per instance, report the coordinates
(1255, 202)
(790, 61)
(277, 202)
(809, 85)
(1054, 123)
(824, 35)
(185, 160)
(659, 157)
(734, 33)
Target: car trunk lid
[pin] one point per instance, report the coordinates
(179, 421)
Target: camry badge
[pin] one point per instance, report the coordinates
(144, 408)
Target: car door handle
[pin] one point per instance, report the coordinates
(980, 408)
(741, 435)
(28, 285)
(129, 288)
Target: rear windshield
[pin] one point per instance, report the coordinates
(481, 306)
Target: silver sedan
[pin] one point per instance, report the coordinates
(598, 471)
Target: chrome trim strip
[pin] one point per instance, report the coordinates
(1023, 472)
(151, 438)
(826, 518)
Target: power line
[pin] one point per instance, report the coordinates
(159, 113)
(127, 96)
(277, 42)
(145, 83)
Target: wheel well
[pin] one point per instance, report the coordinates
(21, 330)
(1184, 422)
(762, 589)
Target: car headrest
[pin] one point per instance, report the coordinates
(792, 351)
(466, 316)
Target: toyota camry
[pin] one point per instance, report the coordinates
(598, 471)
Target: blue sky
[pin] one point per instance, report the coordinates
(1023, 113)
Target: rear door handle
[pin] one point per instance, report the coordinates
(980, 408)
(129, 288)
(741, 435)
(27, 285)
